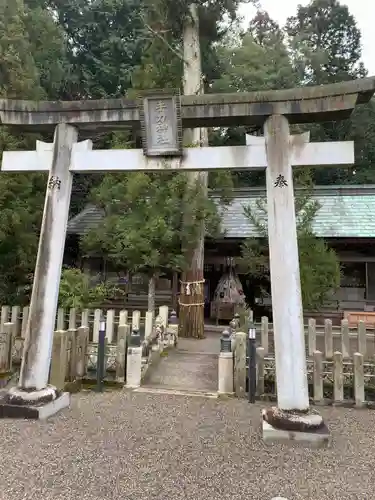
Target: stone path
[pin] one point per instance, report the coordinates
(135, 446)
(193, 366)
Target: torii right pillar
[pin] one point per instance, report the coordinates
(291, 419)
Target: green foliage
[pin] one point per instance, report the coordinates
(84, 49)
(319, 270)
(325, 47)
(106, 40)
(265, 31)
(320, 44)
(254, 67)
(21, 202)
(142, 225)
(211, 14)
(162, 60)
(258, 60)
(18, 71)
(325, 42)
(221, 182)
(49, 49)
(363, 134)
(76, 290)
(319, 266)
(21, 195)
(32, 51)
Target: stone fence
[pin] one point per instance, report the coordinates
(324, 337)
(340, 363)
(67, 319)
(132, 343)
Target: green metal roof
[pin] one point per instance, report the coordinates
(346, 212)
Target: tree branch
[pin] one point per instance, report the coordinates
(155, 33)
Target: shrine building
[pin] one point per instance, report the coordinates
(345, 221)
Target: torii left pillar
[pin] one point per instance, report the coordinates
(33, 397)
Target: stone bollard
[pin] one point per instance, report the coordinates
(163, 314)
(235, 323)
(240, 364)
(134, 360)
(149, 323)
(173, 329)
(160, 333)
(225, 364)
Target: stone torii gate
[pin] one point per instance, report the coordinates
(162, 117)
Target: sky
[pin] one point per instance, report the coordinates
(362, 10)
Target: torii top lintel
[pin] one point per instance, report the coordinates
(299, 105)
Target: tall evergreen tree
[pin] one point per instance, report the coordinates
(105, 42)
(19, 75)
(325, 42)
(265, 31)
(258, 60)
(21, 195)
(48, 46)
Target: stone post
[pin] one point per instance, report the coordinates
(240, 364)
(123, 333)
(163, 313)
(81, 355)
(149, 324)
(291, 375)
(33, 382)
(134, 361)
(59, 363)
(160, 332)
(172, 329)
(225, 365)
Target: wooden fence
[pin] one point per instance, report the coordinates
(340, 363)
(75, 345)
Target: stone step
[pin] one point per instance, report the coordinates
(185, 371)
(174, 391)
(197, 353)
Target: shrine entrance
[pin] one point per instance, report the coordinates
(277, 152)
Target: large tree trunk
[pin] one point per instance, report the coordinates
(192, 285)
(151, 293)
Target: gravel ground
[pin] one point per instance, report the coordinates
(124, 445)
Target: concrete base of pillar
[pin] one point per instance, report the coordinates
(316, 438)
(34, 410)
